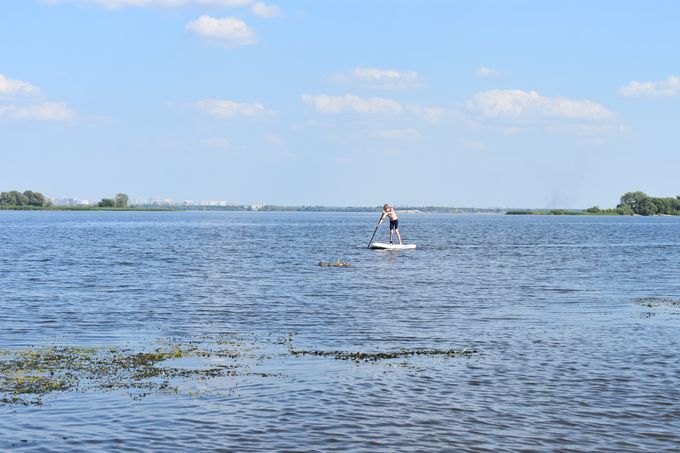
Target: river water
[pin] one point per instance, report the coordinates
(571, 327)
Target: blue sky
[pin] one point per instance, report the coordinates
(485, 103)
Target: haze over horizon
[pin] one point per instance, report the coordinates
(565, 104)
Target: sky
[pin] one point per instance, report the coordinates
(503, 103)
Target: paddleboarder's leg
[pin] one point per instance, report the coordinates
(398, 235)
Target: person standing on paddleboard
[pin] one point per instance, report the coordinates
(394, 221)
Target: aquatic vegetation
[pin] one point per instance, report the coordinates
(336, 263)
(376, 356)
(27, 375)
(654, 302)
(359, 356)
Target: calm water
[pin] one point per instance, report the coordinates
(565, 358)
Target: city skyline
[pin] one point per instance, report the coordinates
(484, 104)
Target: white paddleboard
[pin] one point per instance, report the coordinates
(384, 246)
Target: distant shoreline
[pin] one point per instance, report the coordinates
(559, 212)
(272, 208)
(352, 209)
(80, 208)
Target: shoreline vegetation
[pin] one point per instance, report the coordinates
(29, 376)
(631, 203)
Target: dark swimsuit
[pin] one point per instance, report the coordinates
(394, 224)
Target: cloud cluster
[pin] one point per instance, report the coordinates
(350, 103)
(266, 11)
(45, 111)
(227, 30)
(515, 111)
(25, 106)
(487, 72)
(519, 103)
(10, 87)
(230, 109)
(381, 78)
(668, 87)
(381, 109)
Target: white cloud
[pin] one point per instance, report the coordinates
(267, 11)
(118, 4)
(231, 109)
(434, 115)
(518, 111)
(381, 78)
(227, 30)
(668, 87)
(10, 87)
(339, 104)
(47, 111)
(354, 104)
(519, 103)
(398, 134)
(487, 72)
(26, 107)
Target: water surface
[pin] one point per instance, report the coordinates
(564, 356)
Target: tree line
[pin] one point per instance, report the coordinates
(27, 198)
(642, 204)
(639, 203)
(120, 201)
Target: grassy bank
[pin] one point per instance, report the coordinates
(561, 212)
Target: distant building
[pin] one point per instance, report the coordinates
(160, 202)
(69, 202)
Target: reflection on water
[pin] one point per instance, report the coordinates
(566, 354)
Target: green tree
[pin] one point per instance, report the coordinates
(107, 203)
(663, 205)
(624, 209)
(6, 199)
(19, 198)
(647, 206)
(676, 205)
(121, 200)
(35, 198)
(633, 200)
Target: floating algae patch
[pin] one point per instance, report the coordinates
(654, 302)
(336, 263)
(26, 376)
(359, 356)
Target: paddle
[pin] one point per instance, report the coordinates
(376, 230)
